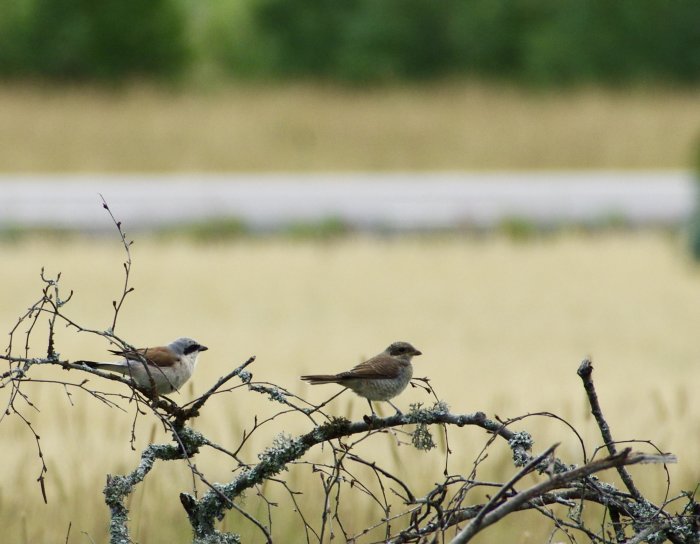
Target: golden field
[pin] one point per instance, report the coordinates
(306, 127)
(502, 325)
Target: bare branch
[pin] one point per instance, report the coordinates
(623, 458)
(532, 465)
(585, 372)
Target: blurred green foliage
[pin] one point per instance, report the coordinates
(15, 234)
(328, 228)
(536, 41)
(220, 229)
(518, 229)
(544, 42)
(80, 39)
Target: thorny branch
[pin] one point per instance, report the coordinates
(561, 492)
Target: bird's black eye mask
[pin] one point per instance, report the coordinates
(192, 348)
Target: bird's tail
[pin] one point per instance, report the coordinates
(115, 367)
(316, 379)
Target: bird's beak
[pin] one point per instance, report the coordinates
(418, 352)
(203, 348)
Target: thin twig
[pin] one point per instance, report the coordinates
(193, 410)
(117, 305)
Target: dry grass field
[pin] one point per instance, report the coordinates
(447, 126)
(502, 325)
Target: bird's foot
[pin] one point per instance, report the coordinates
(369, 419)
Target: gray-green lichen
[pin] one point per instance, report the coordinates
(608, 489)
(418, 414)
(553, 466)
(119, 487)
(284, 449)
(643, 514)
(422, 439)
(657, 538)
(521, 442)
(273, 460)
(218, 538)
(334, 427)
(192, 440)
(273, 393)
(440, 408)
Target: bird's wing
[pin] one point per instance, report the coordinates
(160, 356)
(378, 367)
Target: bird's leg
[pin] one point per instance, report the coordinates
(371, 408)
(398, 412)
(370, 418)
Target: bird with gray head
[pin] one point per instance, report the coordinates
(380, 378)
(169, 367)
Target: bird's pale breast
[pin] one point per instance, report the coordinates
(382, 388)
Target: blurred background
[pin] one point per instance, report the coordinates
(510, 186)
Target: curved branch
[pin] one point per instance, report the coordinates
(210, 507)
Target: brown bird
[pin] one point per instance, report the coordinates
(380, 378)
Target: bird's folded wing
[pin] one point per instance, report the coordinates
(160, 356)
(379, 367)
